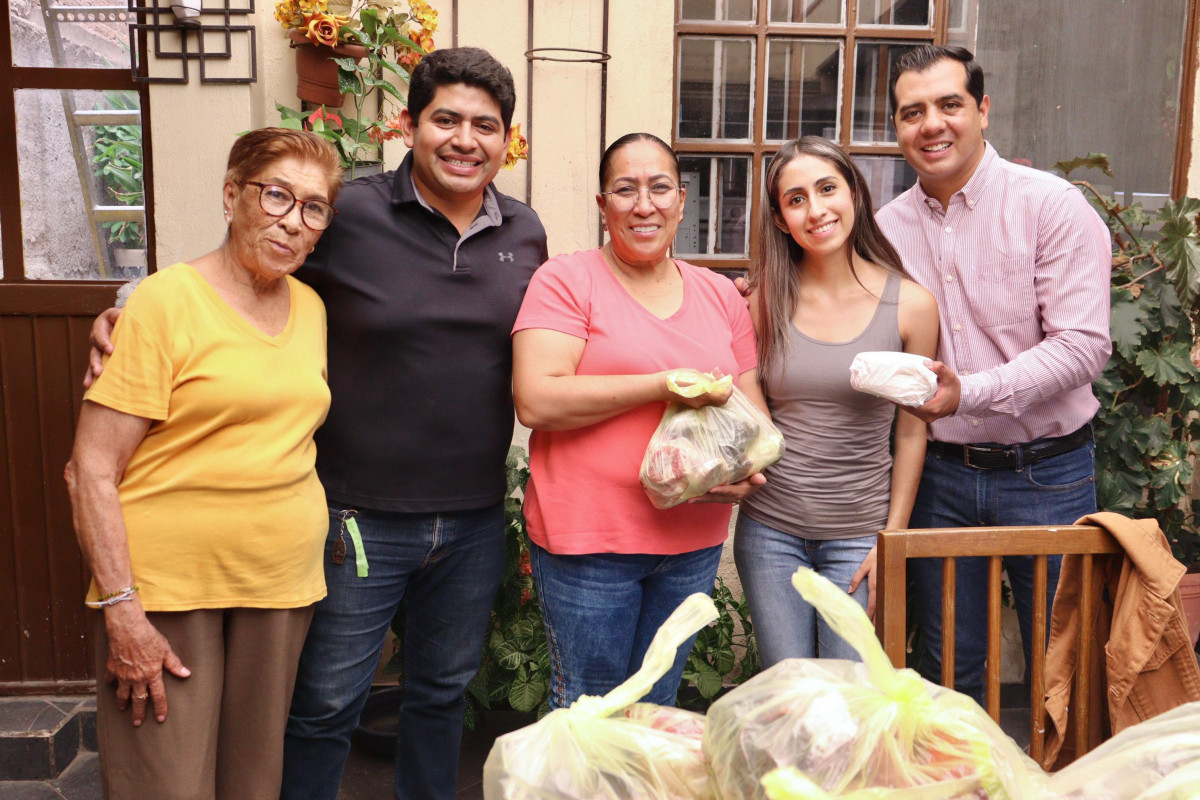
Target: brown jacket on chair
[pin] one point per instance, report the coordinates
(1142, 661)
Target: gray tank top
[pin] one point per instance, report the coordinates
(834, 481)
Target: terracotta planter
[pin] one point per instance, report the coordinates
(1189, 590)
(316, 74)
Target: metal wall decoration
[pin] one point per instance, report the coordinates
(190, 37)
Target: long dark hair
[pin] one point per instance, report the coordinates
(775, 276)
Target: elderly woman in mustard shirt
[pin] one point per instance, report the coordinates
(195, 498)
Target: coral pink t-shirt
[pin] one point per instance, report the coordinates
(583, 494)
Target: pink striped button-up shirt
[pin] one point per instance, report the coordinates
(1020, 265)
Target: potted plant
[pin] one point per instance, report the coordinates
(117, 158)
(361, 55)
(1148, 426)
(515, 671)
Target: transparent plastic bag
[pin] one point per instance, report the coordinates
(695, 449)
(611, 747)
(853, 729)
(1158, 759)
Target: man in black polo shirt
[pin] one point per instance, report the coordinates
(422, 273)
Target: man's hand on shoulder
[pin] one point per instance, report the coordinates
(101, 339)
(743, 287)
(945, 400)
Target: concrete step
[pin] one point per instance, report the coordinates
(41, 736)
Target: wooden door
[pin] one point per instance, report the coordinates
(59, 87)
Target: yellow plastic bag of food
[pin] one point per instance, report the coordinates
(853, 729)
(1158, 759)
(611, 747)
(695, 449)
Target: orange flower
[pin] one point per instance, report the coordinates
(288, 13)
(322, 28)
(518, 148)
(383, 131)
(424, 14)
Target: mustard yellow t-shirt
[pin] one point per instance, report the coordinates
(221, 499)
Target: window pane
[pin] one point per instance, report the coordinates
(716, 210)
(716, 84)
(81, 33)
(81, 150)
(964, 14)
(1051, 104)
(803, 87)
(872, 64)
(709, 10)
(895, 12)
(819, 12)
(887, 177)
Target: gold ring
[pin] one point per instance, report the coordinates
(140, 696)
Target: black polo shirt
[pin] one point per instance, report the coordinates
(420, 359)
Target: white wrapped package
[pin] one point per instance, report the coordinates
(900, 377)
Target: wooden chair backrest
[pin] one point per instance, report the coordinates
(891, 624)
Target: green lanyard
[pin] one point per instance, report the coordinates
(339, 549)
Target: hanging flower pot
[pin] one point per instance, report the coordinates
(316, 73)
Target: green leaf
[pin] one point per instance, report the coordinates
(1090, 161)
(1171, 364)
(509, 656)
(392, 90)
(527, 692)
(1180, 248)
(1171, 476)
(1128, 323)
(1119, 490)
(370, 21)
(706, 680)
(1155, 433)
(348, 82)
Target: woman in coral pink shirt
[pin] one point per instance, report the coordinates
(596, 336)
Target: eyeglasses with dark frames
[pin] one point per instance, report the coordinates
(278, 201)
(663, 195)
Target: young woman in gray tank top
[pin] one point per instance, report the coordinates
(827, 286)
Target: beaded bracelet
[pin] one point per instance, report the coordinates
(111, 599)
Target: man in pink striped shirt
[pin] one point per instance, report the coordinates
(1020, 266)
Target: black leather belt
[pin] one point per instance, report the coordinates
(1011, 456)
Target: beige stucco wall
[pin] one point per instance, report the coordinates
(563, 129)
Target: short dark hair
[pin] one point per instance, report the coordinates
(256, 150)
(628, 139)
(472, 66)
(925, 56)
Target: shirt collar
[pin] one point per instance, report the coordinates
(972, 192)
(404, 190)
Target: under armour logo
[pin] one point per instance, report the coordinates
(505, 256)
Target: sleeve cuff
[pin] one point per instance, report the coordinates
(974, 396)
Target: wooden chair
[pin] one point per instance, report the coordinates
(891, 625)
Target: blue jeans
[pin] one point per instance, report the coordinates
(784, 624)
(446, 569)
(1056, 491)
(602, 610)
